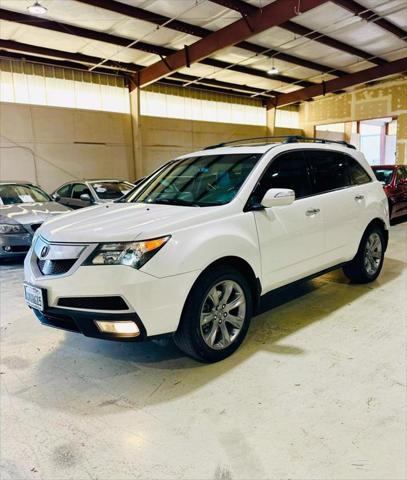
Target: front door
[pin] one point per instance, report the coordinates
(79, 189)
(291, 237)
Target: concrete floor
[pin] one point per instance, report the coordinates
(317, 391)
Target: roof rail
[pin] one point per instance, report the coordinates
(286, 139)
(301, 138)
(243, 140)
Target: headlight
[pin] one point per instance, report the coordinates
(11, 228)
(133, 254)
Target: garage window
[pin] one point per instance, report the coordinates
(202, 107)
(61, 87)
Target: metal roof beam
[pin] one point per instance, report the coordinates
(30, 20)
(331, 86)
(197, 31)
(371, 16)
(246, 9)
(274, 14)
(82, 62)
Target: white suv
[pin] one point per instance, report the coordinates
(190, 251)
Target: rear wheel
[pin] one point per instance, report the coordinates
(368, 262)
(216, 316)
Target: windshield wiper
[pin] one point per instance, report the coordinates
(174, 201)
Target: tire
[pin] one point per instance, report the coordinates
(201, 333)
(368, 262)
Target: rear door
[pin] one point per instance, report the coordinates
(291, 237)
(342, 205)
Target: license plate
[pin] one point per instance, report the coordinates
(34, 297)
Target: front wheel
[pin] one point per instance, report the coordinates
(216, 316)
(368, 262)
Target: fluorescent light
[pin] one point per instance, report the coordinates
(37, 9)
(118, 327)
(273, 71)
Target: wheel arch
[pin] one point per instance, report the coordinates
(378, 222)
(243, 267)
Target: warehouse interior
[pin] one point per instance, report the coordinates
(103, 89)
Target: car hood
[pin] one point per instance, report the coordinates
(115, 222)
(31, 213)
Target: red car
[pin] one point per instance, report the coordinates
(394, 180)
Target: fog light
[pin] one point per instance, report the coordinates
(7, 248)
(118, 327)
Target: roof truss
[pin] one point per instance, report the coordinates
(141, 46)
(180, 26)
(247, 9)
(374, 73)
(274, 14)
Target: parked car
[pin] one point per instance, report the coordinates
(394, 181)
(91, 192)
(23, 209)
(191, 251)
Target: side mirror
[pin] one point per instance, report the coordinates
(278, 197)
(403, 181)
(85, 197)
(56, 197)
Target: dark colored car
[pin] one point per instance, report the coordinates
(394, 180)
(23, 209)
(91, 192)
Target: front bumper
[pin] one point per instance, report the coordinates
(154, 304)
(14, 245)
(84, 322)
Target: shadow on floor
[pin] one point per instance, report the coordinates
(95, 377)
(398, 220)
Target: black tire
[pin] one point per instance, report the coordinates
(360, 269)
(189, 336)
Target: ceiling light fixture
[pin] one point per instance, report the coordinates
(37, 9)
(273, 70)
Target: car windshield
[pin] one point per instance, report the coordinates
(384, 175)
(111, 190)
(11, 194)
(197, 181)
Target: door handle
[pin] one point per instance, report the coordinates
(312, 211)
(359, 197)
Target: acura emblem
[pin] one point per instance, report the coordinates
(44, 251)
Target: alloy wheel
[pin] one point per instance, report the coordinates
(373, 253)
(223, 314)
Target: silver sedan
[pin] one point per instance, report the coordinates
(23, 209)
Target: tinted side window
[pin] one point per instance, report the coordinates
(288, 170)
(401, 174)
(78, 189)
(357, 173)
(330, 170)
(65, 191)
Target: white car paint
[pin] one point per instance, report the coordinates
(281, 244)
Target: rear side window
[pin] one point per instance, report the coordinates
(384, 175)
(288, 170)
(357, 173)
(329, 170)
(401, 174)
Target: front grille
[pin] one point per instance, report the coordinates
(35, 226)
(16, 248)
(55, 267)
(94, 303)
